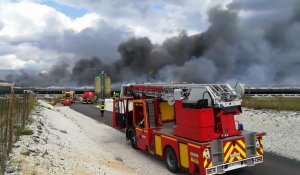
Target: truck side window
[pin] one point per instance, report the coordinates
(140, 119)
(139, 116)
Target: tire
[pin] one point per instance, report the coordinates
(171, 160)
(133, 140)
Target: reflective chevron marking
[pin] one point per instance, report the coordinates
(234, 151)
(260, 149)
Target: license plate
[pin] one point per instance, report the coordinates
(233, 166)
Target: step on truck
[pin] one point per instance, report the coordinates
(189, 126)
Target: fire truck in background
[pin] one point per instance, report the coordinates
(88, 97)
(68, 97)
(189, 126)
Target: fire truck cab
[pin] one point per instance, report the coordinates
(189, 126)
(68, 96)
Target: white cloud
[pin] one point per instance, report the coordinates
(24, 24)
(157, 19)
(12, 62)
(37, 34)
(89, 20)
(28, 20)
(32, 20)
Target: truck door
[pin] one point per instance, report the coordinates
(140, 119)
(120, 113)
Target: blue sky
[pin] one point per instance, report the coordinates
(67, 10)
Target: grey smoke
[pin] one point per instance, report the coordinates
(228, 51)
(254, 50)
(88, 43)
(59, 74)
(85, 70)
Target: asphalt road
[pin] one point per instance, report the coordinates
(273, 164)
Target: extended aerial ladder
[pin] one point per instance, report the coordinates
(190, 126)
(219, 95)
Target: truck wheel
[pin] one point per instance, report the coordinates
(133, 140)
(171, 160)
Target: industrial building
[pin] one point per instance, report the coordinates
(102, 86)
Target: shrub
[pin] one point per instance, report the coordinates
(25, 131)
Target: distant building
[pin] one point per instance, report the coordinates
(5, 84)
(5, 88)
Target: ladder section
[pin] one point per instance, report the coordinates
(220, 95)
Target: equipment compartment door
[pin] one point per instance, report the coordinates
(142, 139)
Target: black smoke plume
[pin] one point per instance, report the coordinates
(255, 52)
(85, 71)
(228, 51)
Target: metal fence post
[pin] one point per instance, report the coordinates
(11, 120)
(23, 111)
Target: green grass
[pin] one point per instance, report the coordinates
(275, 103)
(36, 104)
(25, 131)
(2, 162)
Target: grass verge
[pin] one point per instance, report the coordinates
(275, 103)
(2, 161)
(25, 131)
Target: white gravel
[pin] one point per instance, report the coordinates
(282, 128)
(67, 142)
(114, 142)
(59, 146)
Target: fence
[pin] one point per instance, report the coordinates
(14, 113)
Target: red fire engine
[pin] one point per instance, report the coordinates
(88, 97)
(190, 126)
